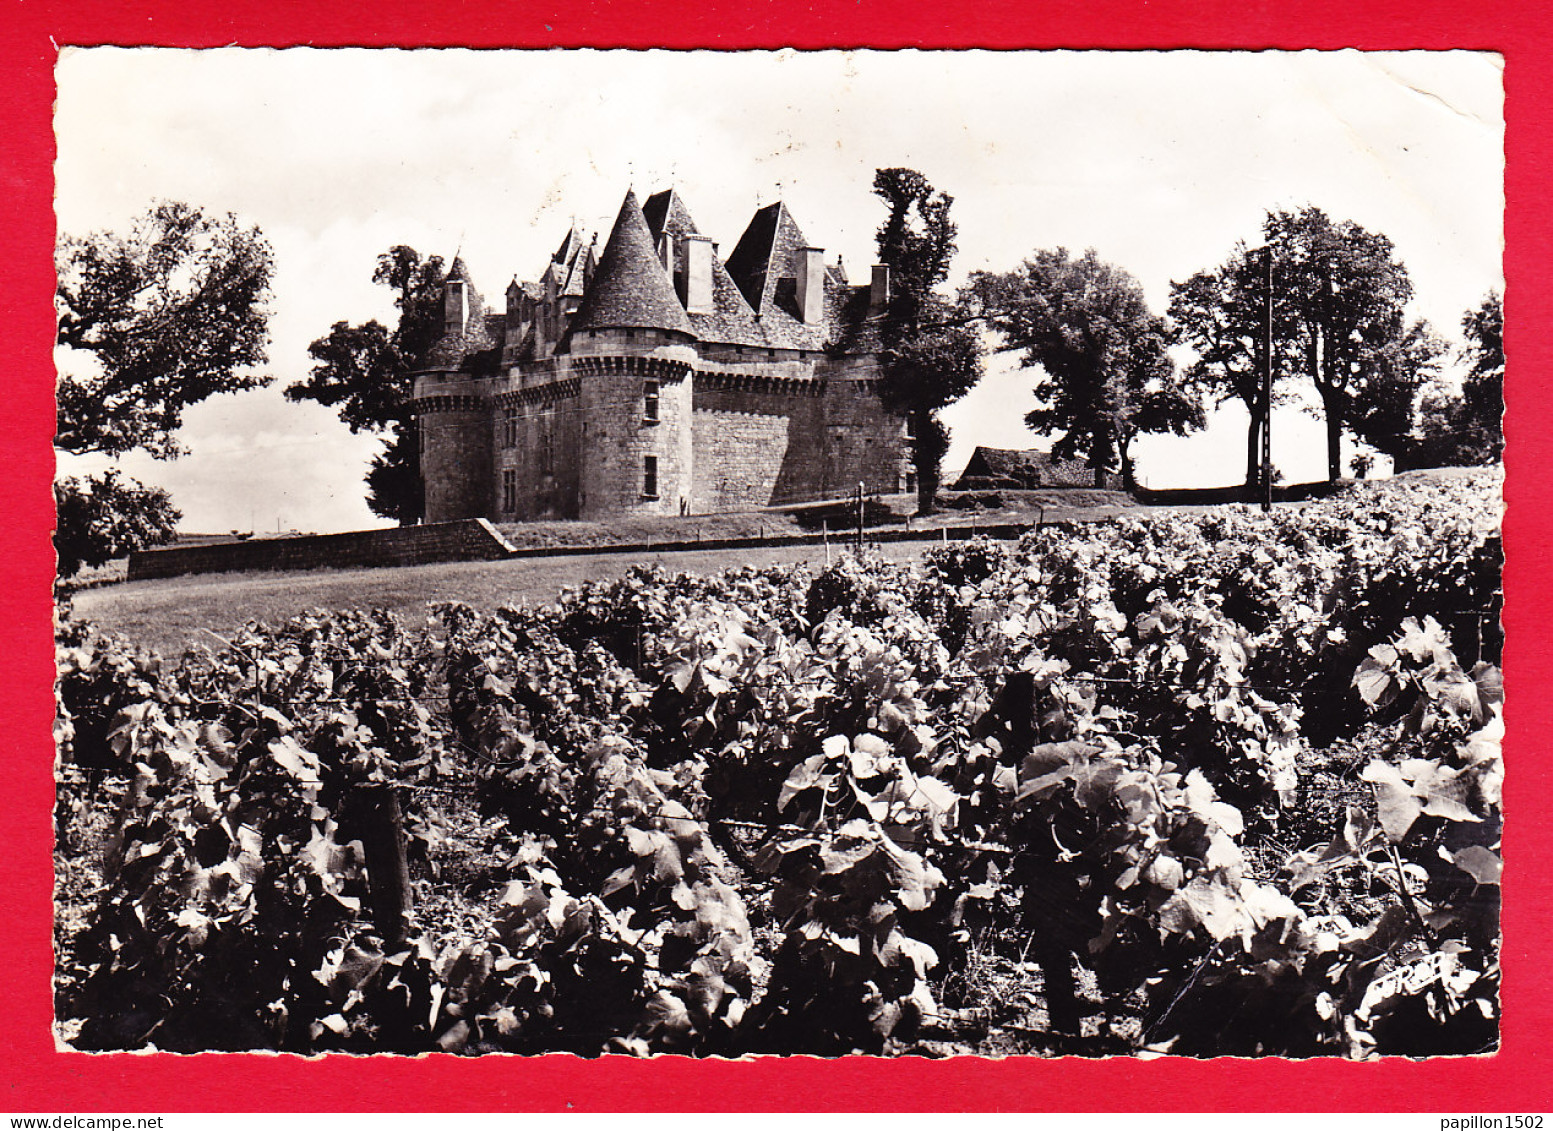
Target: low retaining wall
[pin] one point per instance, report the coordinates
(472, 539)
(1199, 496)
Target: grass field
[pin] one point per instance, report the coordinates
(168, 615)
(956, 509)
(172, 614)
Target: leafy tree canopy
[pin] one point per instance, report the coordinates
(1221, 315)
(365, 371)
(1465, 428)
(1106, 373)
(930, 355)
(1345, 292)
(154, 322)
(103, 518)
(1484, 353)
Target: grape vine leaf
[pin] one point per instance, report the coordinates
(1482, 864)
(1395, 803)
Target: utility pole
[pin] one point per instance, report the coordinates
(1267, 380)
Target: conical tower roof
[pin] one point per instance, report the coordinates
(630, 289)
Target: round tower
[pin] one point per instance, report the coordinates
(452, 416)
(631, 346)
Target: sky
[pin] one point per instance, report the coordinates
(1161, 161)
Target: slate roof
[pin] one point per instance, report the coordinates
(569, 246)
(665, 211)
(482, 331)
(754, 295)
(856, 327)
(630, 287)
(733, 320)
(575, 265)
(576, 279)
(1028, 468)
(755, 254)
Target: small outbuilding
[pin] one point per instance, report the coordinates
(1029, 470)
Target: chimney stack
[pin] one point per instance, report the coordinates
(879, 291)
(695, 285)
(454, 307)
(809, 269)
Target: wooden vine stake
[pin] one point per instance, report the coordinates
(388, 871)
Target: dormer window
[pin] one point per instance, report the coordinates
(650, 402)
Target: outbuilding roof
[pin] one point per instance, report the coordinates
(1029, 468)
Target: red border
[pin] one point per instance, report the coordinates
(36, 1078)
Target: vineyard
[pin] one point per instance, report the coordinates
(1212, 784)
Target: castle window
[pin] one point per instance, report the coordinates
(650, 402)
(510, 428)
(509, 490)
(649, 477)
(547, 444)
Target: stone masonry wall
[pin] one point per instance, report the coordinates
(864, 443)
(737, 454)
(764, 441)
(544, 456)
(728, 435)
(618, 436)
(758, 441)
(471, 540)
(455, 426)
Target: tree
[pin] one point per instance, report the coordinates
(1466, 428)
(1106, 373)
(930, 354)
(100, 519)
(148, 324)
(1221, 314)
(1346, 293)
(1381, 410)
(365, 371)
(158, 320)
(1483, 389)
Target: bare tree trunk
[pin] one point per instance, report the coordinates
(1332, 407)
(929, 443)
(927, 489)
